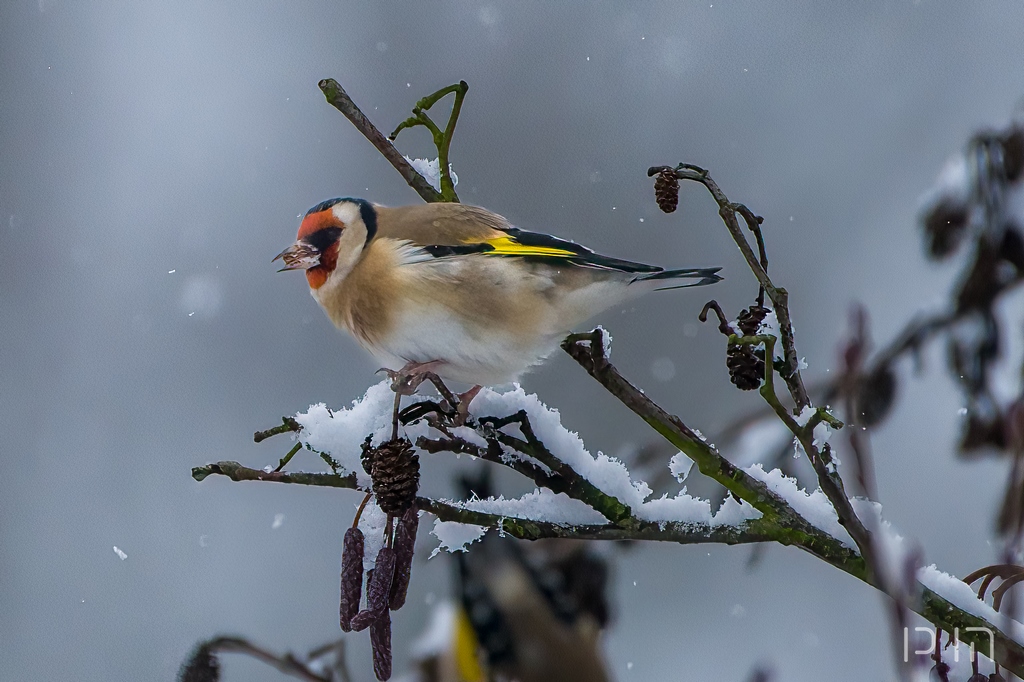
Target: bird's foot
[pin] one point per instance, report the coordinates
(453, 406)
(462, 408)
(408, 379)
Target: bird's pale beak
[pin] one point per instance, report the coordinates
(299, 256)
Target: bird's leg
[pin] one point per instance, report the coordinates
(406, 380)
(462, 409)
(449, 399)
(458, 401)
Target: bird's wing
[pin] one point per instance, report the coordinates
(447, 230)
(442, 224)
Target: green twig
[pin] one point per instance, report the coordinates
(933, 607)
(288, 457)
(793, 529)
(237, 472)
(287, 425)
(442, 138)
(829, 480)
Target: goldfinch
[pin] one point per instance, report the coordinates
(530, 612)
(457, 290)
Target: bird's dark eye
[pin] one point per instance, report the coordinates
(323, 238)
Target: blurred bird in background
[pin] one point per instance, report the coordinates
(457, 290)
(531, 612)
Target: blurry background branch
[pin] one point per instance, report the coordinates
(323, 664)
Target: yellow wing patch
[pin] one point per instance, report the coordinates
(467, 650)
(506, 246)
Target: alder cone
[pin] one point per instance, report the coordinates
(876, 393)
(666, 190)
(940, 672)
(394, 468)
(746, 367)
(750, 319)
(944, 227)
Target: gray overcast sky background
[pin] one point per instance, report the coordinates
(138, 139)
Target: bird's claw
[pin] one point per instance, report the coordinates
(453, 407)
(462, 408)
(402, 383)
(408, 379)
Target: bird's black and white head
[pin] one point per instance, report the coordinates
(331, 238)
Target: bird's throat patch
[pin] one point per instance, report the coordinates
(317, 276)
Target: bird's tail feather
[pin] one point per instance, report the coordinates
(703, 275)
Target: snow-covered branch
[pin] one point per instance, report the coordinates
(790, 515)
(683, 533)
(680, 519)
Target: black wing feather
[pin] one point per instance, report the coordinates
(581, 256)
(584, 256)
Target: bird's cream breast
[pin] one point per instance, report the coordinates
(363, 301)
(485, 295)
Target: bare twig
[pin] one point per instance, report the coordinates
(552, 473)
(339, 99)
(286, 663)
(723, 321)
(564, 477)
(492, 453)
(727, 210)
(754, 225)
(852, 357)
(287, 425)
(237, 472)
(340, 662)
(898, 588)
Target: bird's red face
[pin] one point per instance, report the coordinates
(316, 245)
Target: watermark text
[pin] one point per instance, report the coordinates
(932, 634)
